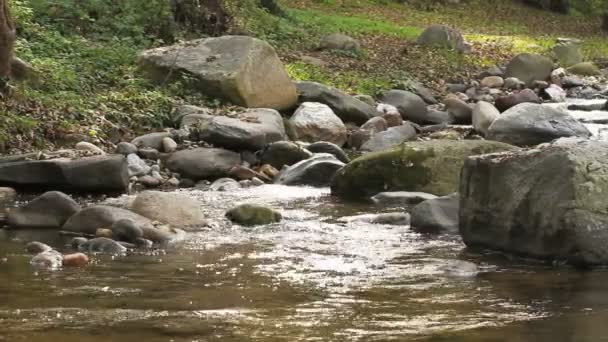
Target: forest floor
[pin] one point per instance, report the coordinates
(87, 86)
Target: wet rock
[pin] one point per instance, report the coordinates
(330, 148)
(508, 101)
(102, 245)
(410, 106)
(529, 68)
(177, 210)
(203, 163)
(530, 124)
(391, 114)
(283, 153)
(401, 198)
(251, 130)
(92, 174)
(339, 41)
(484, 114)
(149, 181)
(49, 210)
(444, 37)
(75, 260)
(540, 85)
(314, 122)
(458, 109)
(549, 202)
(178, 113)
(426, 166)
(224, 184)
(458, 268)
(49, 260)
(255, 181)
(346, 107)
(127, 230)
(492, 71)
(268, 171)
(437, 214)
(397, 219)
(36, 247)
(492, 82)
(77, 241)
(316, 171)
(584, 69)
(87, 146)
(389, 138)
(243, 70)
(151, 140)
(253, 215)
(126, 148)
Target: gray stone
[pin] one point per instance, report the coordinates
(253, 215)
(317, 171)
(127, 230)
(514, 83)
(177, 210)
(366, 99)
(444, 37)
(283, 153)
(389, 138)
(458, 109)
(567, 54)
(314, 122)
(330, 148)
(225, 184)
(169, 145)
(243, 70)
(484, 114)
(149, 181)
(151, 140)
(410, 106)
(103, 245)
(35, 247)
(529, 68)
(554, 93)
(126, 148)
(401, 198)
(87, 146)
(367, 130)
(525, 96)
(397, 219)
(203, 163)
(339, 41)
(530, 124)
(7, 196)
(49, 210)
(437, 214)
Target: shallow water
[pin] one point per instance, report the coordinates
(306, 279)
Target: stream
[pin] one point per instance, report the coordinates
(308, 278)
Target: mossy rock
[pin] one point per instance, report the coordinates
(253, 215)
(427, 166)
(584, 69)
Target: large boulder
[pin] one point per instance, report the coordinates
(283, 153)
(108, 173)
(411, 106)
(347, 107)
(243, 70)
(49, 210)
(389, 138)
(314, 122)
(529, 68)
(177, 210)
(484, 114)
(530, 124)
(339, 41)
(437, 214)
(317, 171)
(548, 202)
(251, 130)
(203, 163)
(427, 166)
(443, 36)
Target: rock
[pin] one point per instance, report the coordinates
(7, 196)
(493, 82)
(103, 245)
(458, 268)
(458, 109)
(584, 69)
(484, 114)
(175, 209)
(240, 172)
(148, 153)
(555, 93)
(437, 214)
(75, 260)
(186, 183)
(126, 148)
(339, 41)
(252, 130)
(547, 203)
(346, 107)
(253, 215)
(410, 106)
(492, 71)
(240, 69)
(427, 166)
(92, 174)
(104, 232)
(255, 181)
(313, 61)
(327, 147)
(35, 247)
(89, 219)
(178, 113)
(169, 145)
(283, 153)
(514, 83)
(49, 260)
(49, 210)
(149, 181)
(572, 82)
(456, 88)
(151, 140)
(224, 184)
(525, 96)
(203, 163)
(389, 138)
(436, 117)
(425, 93)
(443, 36)
(529, 68)
(397, 219)
(314, 122)
(127, 230)
(401, 198)
(366, 99)
(530, 124)
(268, 171)
(567, 54)
(316, 171)
(367, 130)
(87, 146)
(540, 85)
(136, 166)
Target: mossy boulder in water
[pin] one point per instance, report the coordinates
(253, 215)
(427, 166)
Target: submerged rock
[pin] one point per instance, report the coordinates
(127, 230)
(398, 219)
(47, 260)
(35, 247)
(49, 210)
(253, 215)
(102, 245)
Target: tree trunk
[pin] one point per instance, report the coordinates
(7, 40)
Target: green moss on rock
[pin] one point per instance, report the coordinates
(428, 166)
(253, 215)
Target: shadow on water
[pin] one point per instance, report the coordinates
(307, 278)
